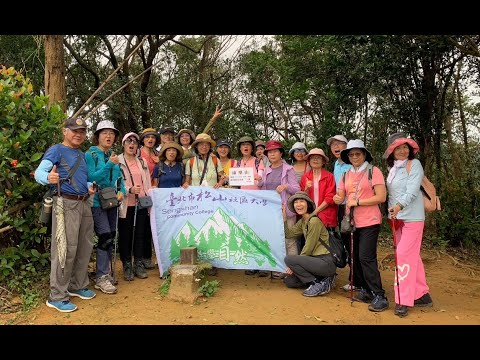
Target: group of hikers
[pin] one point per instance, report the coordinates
(314, 203)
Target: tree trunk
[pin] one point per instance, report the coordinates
(55, 70)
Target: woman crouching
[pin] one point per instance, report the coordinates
(314, 267)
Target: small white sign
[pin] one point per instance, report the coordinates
(240, 176)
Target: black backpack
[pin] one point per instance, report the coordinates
(336, 248)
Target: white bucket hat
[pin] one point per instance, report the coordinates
(355, 144)
(106, 124)
(298, 146)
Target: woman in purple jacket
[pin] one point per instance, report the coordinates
(280, 176)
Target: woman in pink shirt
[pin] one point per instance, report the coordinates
(363, 195)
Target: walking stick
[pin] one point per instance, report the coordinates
(396, 260)
(134, 223)
(351, 256)
(115, 240)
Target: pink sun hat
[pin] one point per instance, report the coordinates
(398, 139)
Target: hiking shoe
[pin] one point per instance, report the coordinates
(128, 271)
(424, 301)
(105, 285)
(212, 272)
(317, 288)
(139, 270)
(277, 275)
(332, 280)
(364, 296)
(347, 288)
(263, 273)
(401, 310)
(148, 264)
(379, 303)
(112, 281)
(84, 294)
(251, 272)
(62, 306)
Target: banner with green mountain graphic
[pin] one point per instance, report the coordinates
(231, 228)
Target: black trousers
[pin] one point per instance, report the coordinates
(131, 237)
(365, 265)
(147, 245)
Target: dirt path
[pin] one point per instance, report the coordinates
(241, 299)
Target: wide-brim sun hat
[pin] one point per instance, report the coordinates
(355, 144)
(400, 141)
(317, 151)
(107, 124)
(128, 135)
(297, 146)
(185, 131)
(203, 138)
(170, 145)
(300, 195)
(150, 131)
(337, 137)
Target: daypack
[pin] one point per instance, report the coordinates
(430, 199)
(214, 159)
(161, 168)
(336, 248)
(382, 206)
(257, 163)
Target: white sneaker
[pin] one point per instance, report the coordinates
(104, 284)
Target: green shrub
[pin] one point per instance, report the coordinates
(28, 127)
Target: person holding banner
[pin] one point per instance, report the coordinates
(280, 176)
(246, 148)
(224, 151)
(170, 171)
(314, 267)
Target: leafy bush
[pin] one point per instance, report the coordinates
(209, 288)
(27, 128)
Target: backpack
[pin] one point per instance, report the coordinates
(161, 166)
(214, 159)
(430, 199)
(336, 248)
(382, 206)
(257, 163)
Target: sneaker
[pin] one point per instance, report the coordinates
(148, 264)
(424, 301)
(212, 272)
(62, 306)
(317, 288)
(401, 310)
(379, 303)
(347, 287)
(364, 296)
(263, 273)
(84, 294)
(128, 271)
(112, 281)
(277, 275)
(251, 272)
(139, 270)
(105, 285)
(332, 280)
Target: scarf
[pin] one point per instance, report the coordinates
(397, 164)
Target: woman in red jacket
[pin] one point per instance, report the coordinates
(319, 184)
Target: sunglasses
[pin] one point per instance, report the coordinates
(131, 141)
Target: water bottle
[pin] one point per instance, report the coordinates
(46, 214)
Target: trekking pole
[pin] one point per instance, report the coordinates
(134, 224)
(396, 260)
(351, 256)
(115, 240)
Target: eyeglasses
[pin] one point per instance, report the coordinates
(149, 137)
(355, 154)
(315, 158)
(131, 141)
(299, 151)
